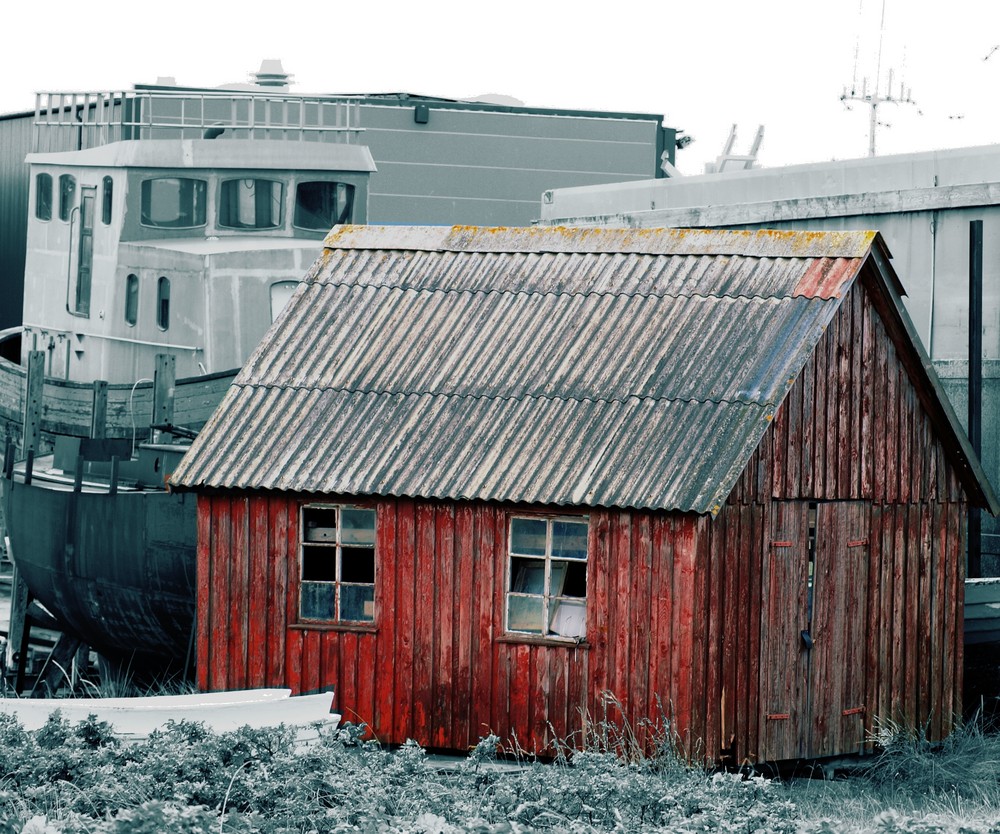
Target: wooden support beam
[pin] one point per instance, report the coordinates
(99, 411)
(18, 626)
(32, 428)
(19, 600)
(57, 669)
(163, 389)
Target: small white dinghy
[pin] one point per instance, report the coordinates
(219, 711)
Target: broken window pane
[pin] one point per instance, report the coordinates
(569, 619)
(548, 577)
(527, 576)
(357, 564)
(338, 552)
(322, 205)
(319, 564)
(575, 582)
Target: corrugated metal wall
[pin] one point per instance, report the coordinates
(15, 143)
(489, 167)
(677, 604)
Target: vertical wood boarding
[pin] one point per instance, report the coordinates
(675, 603)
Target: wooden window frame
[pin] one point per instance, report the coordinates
(546, 634)
(336, 547)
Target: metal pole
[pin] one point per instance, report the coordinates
(975, 380)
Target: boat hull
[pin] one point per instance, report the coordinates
(118, 571)
(68, 405)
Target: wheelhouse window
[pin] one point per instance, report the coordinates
(163, 303)
(321, 205)
(547, 577)
(250, 204)
(338, 564)
(43, 196)
(173, 202)
(132, 299)
(67, 191)
(107, 195)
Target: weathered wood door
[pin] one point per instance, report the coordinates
(813, 629)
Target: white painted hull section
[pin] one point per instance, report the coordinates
(220, 711)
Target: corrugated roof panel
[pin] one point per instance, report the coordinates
(515, 345)
(547, 451)
(557, 371)
(612, 273)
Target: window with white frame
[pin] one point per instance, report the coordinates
(547, 576)
(337, 580)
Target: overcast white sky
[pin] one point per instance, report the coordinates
(702, 64)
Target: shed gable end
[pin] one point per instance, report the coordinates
(852, 426)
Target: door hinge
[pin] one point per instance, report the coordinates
(854, 711)
(778, 716)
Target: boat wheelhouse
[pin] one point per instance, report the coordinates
(187, 246)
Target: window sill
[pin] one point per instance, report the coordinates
(530, 639)
(363, 628)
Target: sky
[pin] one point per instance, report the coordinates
(704, 65)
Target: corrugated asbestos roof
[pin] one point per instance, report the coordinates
(634, 368)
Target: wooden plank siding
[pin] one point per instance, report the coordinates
(67, 405)
(681, 608)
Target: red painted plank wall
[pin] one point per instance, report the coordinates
(674, 601)
(437, 667)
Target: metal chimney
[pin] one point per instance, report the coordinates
(271, 74)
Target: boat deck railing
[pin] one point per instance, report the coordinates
(76, 120)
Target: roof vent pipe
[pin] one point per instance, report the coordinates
(975, 381)
(271, 75)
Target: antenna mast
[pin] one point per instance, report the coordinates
(874, 99)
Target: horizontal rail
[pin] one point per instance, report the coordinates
(100, 117)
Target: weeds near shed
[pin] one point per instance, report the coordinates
(914, 785)
(185, 779)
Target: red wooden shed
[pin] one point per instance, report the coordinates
(483, 479)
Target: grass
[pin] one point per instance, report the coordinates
(186, 780)
(914, 785)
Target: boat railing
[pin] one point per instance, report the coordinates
(76, 120)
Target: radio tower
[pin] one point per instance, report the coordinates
(875, 99)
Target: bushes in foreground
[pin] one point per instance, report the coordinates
(186, 780)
